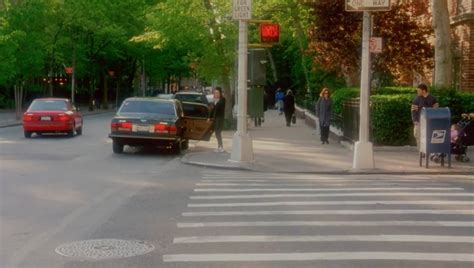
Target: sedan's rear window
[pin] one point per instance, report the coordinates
(48, 105)
(147, 107)
(190, 98)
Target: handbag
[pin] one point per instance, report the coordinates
(293, 119)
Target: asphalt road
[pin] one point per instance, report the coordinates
(70, 202)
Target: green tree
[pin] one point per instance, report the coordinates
(22, 27)
(336, 41)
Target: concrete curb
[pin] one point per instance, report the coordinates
(186, 159)
(255, 168)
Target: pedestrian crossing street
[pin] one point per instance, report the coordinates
(269, 220)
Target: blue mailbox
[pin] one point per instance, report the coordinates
(435, 134)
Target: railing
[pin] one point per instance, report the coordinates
(350, 120)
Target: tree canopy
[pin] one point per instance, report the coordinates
(113, 43)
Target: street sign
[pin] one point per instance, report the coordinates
(367, 5)
(375, 45)
(269, 33)
(242, 9)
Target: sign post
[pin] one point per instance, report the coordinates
(242, 150)
(363, 149)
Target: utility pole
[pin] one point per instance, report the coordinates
(242, 150)
(363, 150)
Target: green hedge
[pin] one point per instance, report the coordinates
(340, 95)
(395, 90)
(458, 102)
(391, 119)
(390, 115)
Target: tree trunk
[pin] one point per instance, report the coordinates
(18, 91)
(105, 101)
(352, 77)
(301, 35)
(272, 64)
(91, 94)
(117, 90)
(443, 52)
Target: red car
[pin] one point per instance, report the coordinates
(52, 115)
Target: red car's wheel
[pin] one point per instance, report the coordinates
(79, 130)
(27, 134)
(72, 132)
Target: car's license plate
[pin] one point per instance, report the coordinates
(142, 128)
(45, 118)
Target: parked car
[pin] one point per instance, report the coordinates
(192, 96)
(165, 123)
(52, 115)
(165, 96)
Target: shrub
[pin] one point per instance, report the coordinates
(391, 119)
(395, 90)
(458, 102)
(340, 95)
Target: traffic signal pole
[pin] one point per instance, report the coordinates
(242, 150)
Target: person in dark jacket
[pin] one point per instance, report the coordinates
(218, 115)
(423, 99)
(323, 112)
(289, 106)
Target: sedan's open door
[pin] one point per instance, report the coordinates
(196, 123)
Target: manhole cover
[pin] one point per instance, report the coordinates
(99, 249)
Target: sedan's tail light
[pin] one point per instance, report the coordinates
(164, 128)
(121, 126)
(173, 129)
(27, 117)
(64, 118)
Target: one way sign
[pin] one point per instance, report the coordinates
(367, 5)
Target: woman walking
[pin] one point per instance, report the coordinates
(218, 115)
(289, 106)
(323, 112)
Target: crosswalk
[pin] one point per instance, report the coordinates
(255, 219)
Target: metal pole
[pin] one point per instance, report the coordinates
(363, 150)
(242, 150)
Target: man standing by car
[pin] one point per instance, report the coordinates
(423, 99)
(218, 115)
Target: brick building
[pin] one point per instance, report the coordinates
(462, 24)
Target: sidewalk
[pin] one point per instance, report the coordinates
(8, 118)
(297, 149)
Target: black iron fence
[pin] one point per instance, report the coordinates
(350, 120)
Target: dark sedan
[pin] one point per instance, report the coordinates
(159, 123)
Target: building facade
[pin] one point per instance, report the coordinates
(462, 24)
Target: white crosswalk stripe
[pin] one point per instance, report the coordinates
(406, 218)
(310, 256)
(327, 189)
(252, 196)
(306, 238)
(330, 212)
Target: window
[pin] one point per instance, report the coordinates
(48, 105)
(148, 107)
